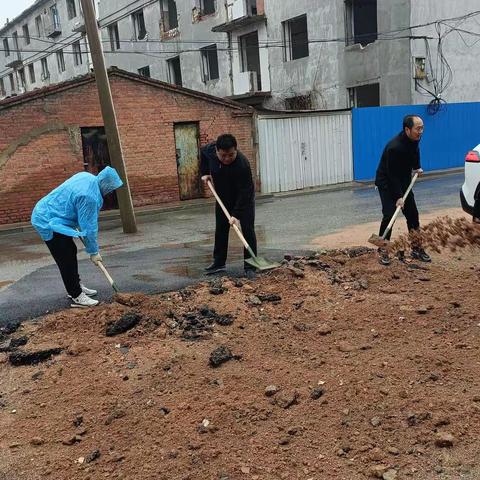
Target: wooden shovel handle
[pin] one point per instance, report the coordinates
(397, 211)
(105, 272)
(237, 230)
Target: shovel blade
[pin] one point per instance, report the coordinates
(261, 263)
(377, 240)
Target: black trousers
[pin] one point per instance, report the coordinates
(64, 252)
(388, 209)
(476, 205)
(476, 208)
(222, 230)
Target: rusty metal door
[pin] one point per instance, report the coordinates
(96, 158)
(188, 160)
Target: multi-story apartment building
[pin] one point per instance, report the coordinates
(41, 46)
(305, 54)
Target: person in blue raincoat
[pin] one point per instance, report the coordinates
(71, 210)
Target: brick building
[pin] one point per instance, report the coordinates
(52, 133)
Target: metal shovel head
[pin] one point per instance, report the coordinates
(261, 263)
(377, 240)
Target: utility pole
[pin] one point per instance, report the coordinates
(125, 204)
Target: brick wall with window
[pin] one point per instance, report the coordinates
(41, 141)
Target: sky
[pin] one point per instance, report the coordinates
(11, 8)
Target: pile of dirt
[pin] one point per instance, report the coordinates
(330, 367)
(441, 233)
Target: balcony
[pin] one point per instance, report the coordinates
(245, 82)
(53, 29)
(242, 13)
(17, 63)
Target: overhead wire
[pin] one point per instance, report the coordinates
(442, 75)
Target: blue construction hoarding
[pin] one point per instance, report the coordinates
(448, 135)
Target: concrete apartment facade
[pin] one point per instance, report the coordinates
(305, 54)
(40, 47)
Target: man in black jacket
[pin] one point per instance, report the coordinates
(400, 158)
(229, 171)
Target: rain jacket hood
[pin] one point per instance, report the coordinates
(72, 208)
(108, 180)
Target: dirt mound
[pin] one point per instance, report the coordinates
(331, 367)
(441, 233)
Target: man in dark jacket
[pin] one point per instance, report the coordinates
(229, 171)
(400, 158)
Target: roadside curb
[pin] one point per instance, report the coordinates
(151, 211)
(141, 212)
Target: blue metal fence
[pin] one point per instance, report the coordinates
(448, 135)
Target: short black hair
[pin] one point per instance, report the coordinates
(408, 121)
(226, 142)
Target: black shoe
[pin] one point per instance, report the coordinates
(383, 257)
(421, 254)
(214, 268)
(250, 273)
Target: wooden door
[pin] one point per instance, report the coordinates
(96, 158)
(188, 160)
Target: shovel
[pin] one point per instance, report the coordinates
(380, 241)
(105, 272)
(258, 262)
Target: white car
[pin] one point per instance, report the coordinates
(471, 188)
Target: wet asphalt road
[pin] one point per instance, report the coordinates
(172, 248)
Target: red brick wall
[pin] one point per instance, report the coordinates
(47, 153)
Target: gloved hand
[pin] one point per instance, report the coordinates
(96, 258)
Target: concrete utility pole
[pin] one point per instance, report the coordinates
(125, 204)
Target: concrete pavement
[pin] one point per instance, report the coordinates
(171, 248)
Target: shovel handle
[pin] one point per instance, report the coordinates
(101, 266)
(105, 272)
(397, 211)
(237, 230)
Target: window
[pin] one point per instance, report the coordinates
(31, 73)
(250, 58)
(71, 9)
(361, 21)
(207, 7)
(15, 44)
(45, 71)
(114, 37)
(12, 82)
(21, 76)
(209, 63)
(2, 88)
(26, 34)
(144, 71)
(77, 53)
(365, 96)
(174, 71)
(295, 35)
(6, 47)
(55, 17)
(169, 14)
(60, 61)
(139, 25)
(39, 26)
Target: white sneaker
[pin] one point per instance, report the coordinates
(83, 301)
(88, 291)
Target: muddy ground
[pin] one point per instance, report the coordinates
(331, 367)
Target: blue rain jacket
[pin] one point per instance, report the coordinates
(75, 204)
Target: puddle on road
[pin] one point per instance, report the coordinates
(145, 278)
